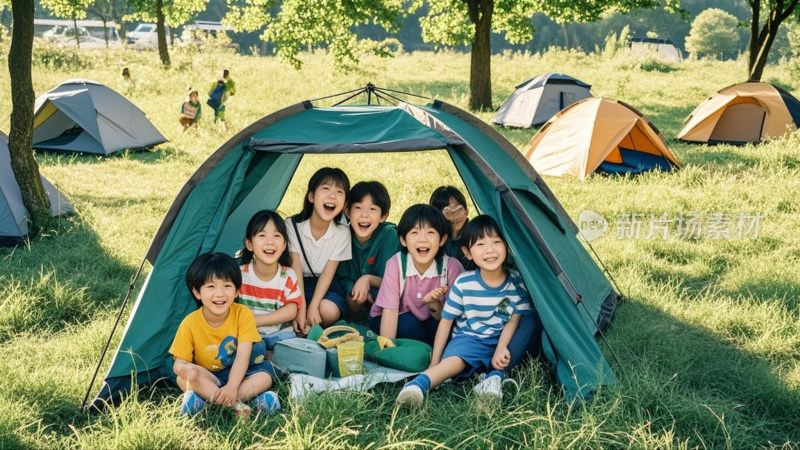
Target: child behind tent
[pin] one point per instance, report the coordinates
(215, 357)
(191, 110)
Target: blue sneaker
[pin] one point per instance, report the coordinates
(192, 403)
(267, 402)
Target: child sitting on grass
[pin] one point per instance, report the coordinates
(191, 110)
(215, 359)
(486, 305)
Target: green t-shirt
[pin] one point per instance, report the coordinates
(368, 258)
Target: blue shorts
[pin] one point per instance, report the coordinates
(476, 352)
(258, 363)
(335, 293)
(274, 338)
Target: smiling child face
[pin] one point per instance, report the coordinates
(423, 242)
(365, 216)
(217, 296)
(328, 200)
(267, 245)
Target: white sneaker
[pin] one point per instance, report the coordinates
(410, 396)
(492, 387)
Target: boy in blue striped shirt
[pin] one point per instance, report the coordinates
(485, 305)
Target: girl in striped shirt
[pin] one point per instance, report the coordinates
(269, 285)
(483, 312)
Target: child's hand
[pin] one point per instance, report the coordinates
(360, 291)
(299, 323)
(501, 358)
(435, 296)
(313, 317)
(225, 396)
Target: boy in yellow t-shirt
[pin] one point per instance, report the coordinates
(219, 355)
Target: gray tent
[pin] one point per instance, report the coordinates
(85, 116)
(538, 99)
(13, 216)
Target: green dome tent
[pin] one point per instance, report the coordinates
(253, 169)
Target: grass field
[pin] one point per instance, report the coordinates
(709, 337)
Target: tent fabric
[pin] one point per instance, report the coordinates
(595, 131)
(741, 113)
(85, 116)
(252, 171)
(536, 100)
(13, 216)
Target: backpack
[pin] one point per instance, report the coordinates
(215, 98)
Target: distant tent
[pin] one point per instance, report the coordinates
(602, 135)
(742, 113)
(662, 49)
(13, 216)
(536, 100)
(253, 169)
(85, 116)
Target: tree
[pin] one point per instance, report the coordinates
(304, 25)
(173, 13)
(20, 137)
(763, 36)
(714, 32)
(108, 11)
(301, 24)
(70, 9)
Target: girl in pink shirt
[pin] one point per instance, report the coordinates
(417, 279)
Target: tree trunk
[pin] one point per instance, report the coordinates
(163, 52)
(761, 40)
(20, 137)
(77, 31)
(480, 76)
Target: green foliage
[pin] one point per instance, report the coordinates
(713, 34)
(68, 9)
(301, 25)
(51, 56)
(616, 43)
(655, 65)
(176, 12)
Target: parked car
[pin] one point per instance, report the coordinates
(64, 35)
(146, 36)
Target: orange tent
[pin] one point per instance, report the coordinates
(744, 112)
(597, 134)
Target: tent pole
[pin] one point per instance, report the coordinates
(603, 337)
(111, 335)
(605, 268)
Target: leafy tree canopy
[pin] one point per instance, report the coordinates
(176, 12)
(69, 9)
(714, 33)
(304, 25)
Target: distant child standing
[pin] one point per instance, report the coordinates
(191, 111)
(215, 356)
(373, 242)
(317, 243)
(417, 279)
(127, 82)
(269, 285)
(485, 305)
(452, 203)
(220, 91)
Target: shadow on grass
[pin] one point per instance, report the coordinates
(61, 279)
(147, 156)
(685, 378)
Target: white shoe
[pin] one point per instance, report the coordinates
(492, 387)
(410, 396)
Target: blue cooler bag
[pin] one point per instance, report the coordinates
(300, 355)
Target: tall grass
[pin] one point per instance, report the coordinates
(709, 337)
